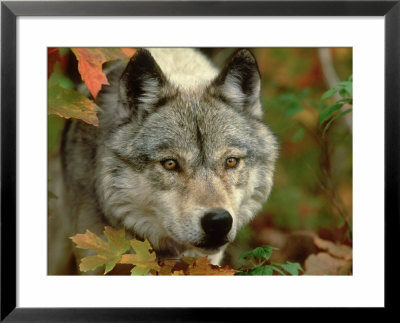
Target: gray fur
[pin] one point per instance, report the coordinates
(188, 112)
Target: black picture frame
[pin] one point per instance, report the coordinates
(11, 10)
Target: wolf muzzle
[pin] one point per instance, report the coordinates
(216, 224)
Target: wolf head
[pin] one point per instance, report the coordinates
(185, 165)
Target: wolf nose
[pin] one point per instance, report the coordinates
(217, 223)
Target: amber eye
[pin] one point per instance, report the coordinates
(231, 162)
(170, 164)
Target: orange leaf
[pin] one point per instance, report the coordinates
(128, 51)
(202, 266)
(91, 60)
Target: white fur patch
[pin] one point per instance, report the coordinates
(233, 90)
(151, 91)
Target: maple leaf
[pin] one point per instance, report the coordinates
(91, 60)
(202, 266)
(71, 104)
(108, 253)
(166, 267)
(143, 260)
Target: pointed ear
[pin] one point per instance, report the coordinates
(141, 84)
(239, 83)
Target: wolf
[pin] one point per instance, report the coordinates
(181, 156)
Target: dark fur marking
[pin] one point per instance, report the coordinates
(141, 68)
(138, 163)
(63, 147)
(200, 144)
(244, 64)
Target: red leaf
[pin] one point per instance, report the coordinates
(91, 60)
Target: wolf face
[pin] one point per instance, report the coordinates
(184, 158)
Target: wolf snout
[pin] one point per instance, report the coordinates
(216, 224)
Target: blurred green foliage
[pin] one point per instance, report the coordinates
(313, 180)
(54, 129)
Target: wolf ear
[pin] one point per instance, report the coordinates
(141, 84)
(239, 83)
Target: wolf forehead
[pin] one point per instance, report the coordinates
(205, 126)
(188, 106)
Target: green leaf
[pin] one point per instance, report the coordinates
(336, 117)
(259, 252)
(278, 270)
(304, 93)
(328, 94)
(343, 93)
(71, 104)
(51, 195)
(299, 134)
(139, 271)
(57, 77)
(327, 113)
(347, 86)
(347, 100)
(293, 109)
(262, 271)
(341, 222)
(293, 268)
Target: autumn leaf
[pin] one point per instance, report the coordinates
(143, 260)
(91, 60)
(324, 264)
(336, 250)
(108, 253)
(167, 267)
(56, 55)
(52, 58)
(202, 266)
(335, 260)
(71, 104)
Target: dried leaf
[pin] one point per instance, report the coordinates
(324, 264)
(202, 266)
(178, 273)
(91, 60)
(166, 267)
(143, 259)
(336, 250)
(108, 253)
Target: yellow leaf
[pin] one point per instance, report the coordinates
(108, 253)
(143, 259)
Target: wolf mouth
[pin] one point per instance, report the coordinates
(212, 245)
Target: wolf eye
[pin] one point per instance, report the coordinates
(170, 164)
(231, 162)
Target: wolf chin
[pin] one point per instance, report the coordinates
(181, 157)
